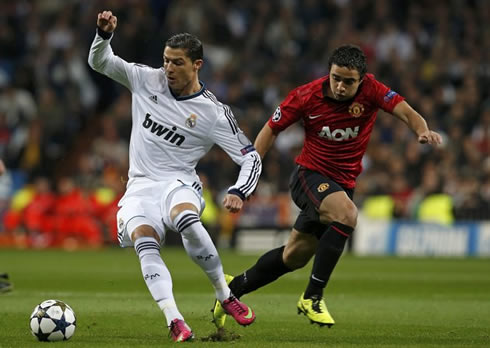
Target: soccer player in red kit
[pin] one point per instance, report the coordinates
(337, 112)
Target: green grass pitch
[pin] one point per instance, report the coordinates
(376, 302)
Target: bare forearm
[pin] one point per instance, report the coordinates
(264, 140)
(411, 117)
(416, 123)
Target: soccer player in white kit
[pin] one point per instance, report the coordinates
(176, 120)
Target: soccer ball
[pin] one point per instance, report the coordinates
(53, 320)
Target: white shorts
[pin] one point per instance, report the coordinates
(150, 202)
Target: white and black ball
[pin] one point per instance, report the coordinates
(53, 320)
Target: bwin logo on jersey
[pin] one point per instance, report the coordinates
(162, 131)
(339, 134)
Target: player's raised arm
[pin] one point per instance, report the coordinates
(417, 124)
(102, 59)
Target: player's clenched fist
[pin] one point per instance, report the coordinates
(106, 21)
(232, 203)
(430, 137)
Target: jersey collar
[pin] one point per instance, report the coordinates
(190, 96)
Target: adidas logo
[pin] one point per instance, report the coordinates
(153, 98)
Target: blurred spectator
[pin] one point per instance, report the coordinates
(37, 215)
(109, 148)
(74, 222)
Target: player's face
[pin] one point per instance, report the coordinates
(344, 82)
(181, 72)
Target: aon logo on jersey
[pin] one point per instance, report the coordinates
(339, 134)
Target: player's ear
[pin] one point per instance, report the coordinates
(198, 64)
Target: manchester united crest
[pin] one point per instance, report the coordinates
(323, 187)
(356, 109)
(191, 121)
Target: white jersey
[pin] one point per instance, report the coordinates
(171, 134)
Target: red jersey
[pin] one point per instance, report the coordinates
(336, 132)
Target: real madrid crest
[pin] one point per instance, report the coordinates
(191, 121)
(323, 187)
(356, 109)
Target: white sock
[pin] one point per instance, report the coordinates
(157, 276)
(200, 248)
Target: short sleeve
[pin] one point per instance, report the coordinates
(287, 113)
(386, 98)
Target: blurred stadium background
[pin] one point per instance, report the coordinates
(64, 130)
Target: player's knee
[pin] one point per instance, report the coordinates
(144, 231)
(184, 221)
(179, 208)
(349, 217)
(344, 212)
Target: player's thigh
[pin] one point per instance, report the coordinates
(140, 215)
(299, 249)
(309, 189)
(339, 207)
(321, 200)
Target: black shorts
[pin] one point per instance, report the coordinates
(308, 189)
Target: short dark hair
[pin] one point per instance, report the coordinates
(188, 42)
(349, 56)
